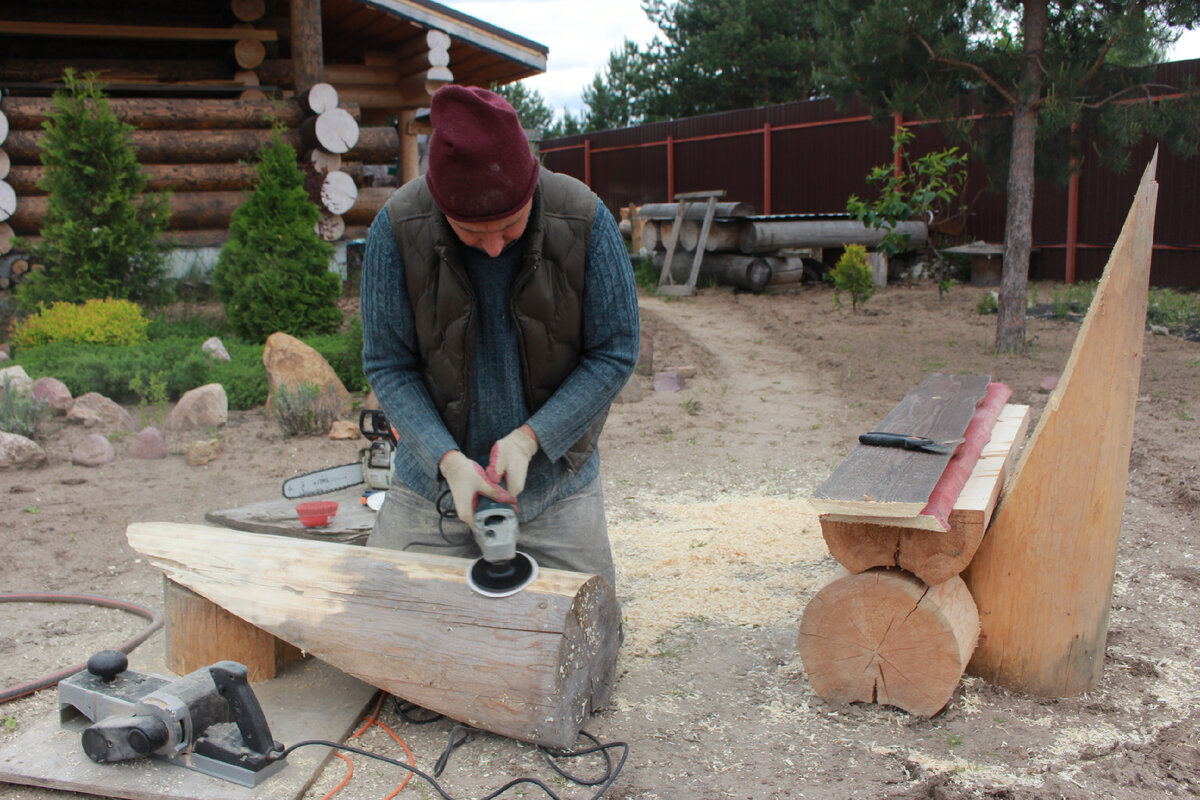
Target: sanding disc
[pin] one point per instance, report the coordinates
(491, 580)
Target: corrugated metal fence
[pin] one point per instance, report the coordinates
(808, 157)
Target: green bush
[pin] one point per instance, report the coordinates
(110, 322)
(853, 274)
(273, 272)
(306, 409)
(20, 413)
(101, 233)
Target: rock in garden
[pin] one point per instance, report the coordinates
(93, 451)
(216, 349)
(668, 382)
(149, 444)
(290, 361)
(18, 452)
(1048, 384)
(686, 372)
(202, 408)
(93, 408)
(55, 393)
(202, 451)
(3, 356)
(343, 429)
(18, 380)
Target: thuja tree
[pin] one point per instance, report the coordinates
(273, 272)
(101, 234)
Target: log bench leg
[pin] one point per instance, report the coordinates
(883, 636)
(200, 633)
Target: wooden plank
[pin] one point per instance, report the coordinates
(84, 30)
(531, 666)
(886, 637)
(1043, 575)
(309, 700)
(934, 556)
(894, 484)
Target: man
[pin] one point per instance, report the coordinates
(499, 322)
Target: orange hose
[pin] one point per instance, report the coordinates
(373, 719)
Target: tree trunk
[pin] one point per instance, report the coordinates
(1018, 233)
(308, 59)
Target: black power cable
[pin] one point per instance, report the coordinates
(23, 689)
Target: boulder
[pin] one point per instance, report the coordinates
(291, 362)
(55, 394)
(202, 408)
(93, 451)
(18, 452)
(18, 380)
(344, 429)
(668, 382)
(94, 408)
(202, 451)
(149, 444)
(215, 348)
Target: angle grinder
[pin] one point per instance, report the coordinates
(502, 570)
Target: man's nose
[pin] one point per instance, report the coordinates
(493, 243)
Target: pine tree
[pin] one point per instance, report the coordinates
(273, 272)
(100, 237)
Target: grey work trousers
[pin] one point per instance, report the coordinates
(571, 534)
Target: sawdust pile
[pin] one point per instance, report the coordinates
(735, 560)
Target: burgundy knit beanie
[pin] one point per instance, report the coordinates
(480, 165)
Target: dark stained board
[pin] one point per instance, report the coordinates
(886, 482)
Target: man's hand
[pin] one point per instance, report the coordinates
(510, 459)
(467, 481)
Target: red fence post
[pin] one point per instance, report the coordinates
(898, 153)
(1072, 209)
(587, 162)
(670, 168)
(766, 168)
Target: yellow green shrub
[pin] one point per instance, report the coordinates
(113, 322)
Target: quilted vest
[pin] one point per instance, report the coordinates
(546, 301)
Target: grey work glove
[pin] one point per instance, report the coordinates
(467, 481)
(510, 459)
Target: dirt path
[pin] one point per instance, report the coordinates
(717, 553)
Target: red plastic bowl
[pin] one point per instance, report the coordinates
(318, 513)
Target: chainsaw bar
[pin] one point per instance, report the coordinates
(323, 481)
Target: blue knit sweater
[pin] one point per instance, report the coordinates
(392, 364)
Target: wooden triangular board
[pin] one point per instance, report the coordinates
(531, 666)
(1043, 576)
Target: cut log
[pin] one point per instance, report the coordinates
(5, 164)
(148, 32)
(668, 211)
(19, 266)
(651, 239)
(8, 201)
(200, 633)
(765, 236)
(318, 98)
(728, 269)
(425, 82)
(180, 177)
(324, 160)
(1043, 575)
(3, 124)
(894, 486)
(189, 210)
(933, 556)
(338, 193)
(248, 10)
(6, 237)
(531, 666)
(795, 269)
(249, 53)
(722, 236)
(886, 637)
(333, 130)
(330, 227)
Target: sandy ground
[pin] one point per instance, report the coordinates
(717, 554)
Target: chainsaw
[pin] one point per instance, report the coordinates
(374, 465)
(209, 720)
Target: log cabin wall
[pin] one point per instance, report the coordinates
(201, 82)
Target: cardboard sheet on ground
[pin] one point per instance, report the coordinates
(308, 700)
